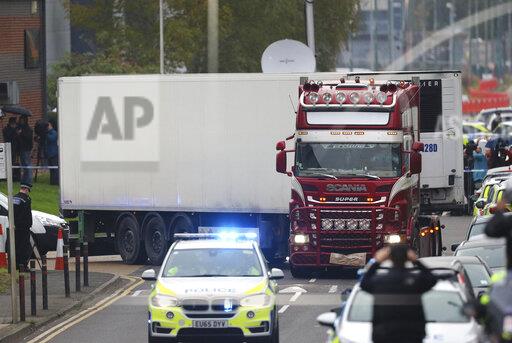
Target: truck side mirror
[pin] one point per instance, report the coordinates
(281, 162)
(280, 146)
(415, 162)
(455, 246)
(417, 146)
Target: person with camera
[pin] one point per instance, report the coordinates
(24, 141)
(398, 310)
(52, 152)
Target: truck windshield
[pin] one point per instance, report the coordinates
(348, 159)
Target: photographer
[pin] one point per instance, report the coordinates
(398, 310)
(500, 225)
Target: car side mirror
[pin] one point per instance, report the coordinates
(327, 319)
(474, 197)
(415, 162)
(469, 310)
(480, 204)
(417, 146)
(149, 275)
(455, 246)
(276, 274)
(345, 294)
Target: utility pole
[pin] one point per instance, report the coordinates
(213, 36)
(310, 24)
(451, 7)
(373, 40)
(434, 29)
(391, 31)
(161, 13)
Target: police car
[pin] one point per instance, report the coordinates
(213, 288)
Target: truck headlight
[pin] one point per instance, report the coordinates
(161, 300)
(301, 239)
(392, 239)
(257, 300)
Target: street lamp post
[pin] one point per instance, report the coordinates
(161, 13)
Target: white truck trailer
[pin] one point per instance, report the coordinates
(145, 156)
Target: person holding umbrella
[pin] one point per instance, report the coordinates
(25, 143)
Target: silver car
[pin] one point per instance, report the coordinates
(442, 306)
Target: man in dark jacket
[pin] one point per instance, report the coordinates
(22, 223)
(52, 153)
(501, 225)
(25, 142)
(398, 311)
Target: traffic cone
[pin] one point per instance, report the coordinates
(3, 255)
(59, 261)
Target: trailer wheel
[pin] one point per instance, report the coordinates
(154, 239)
(298, 272)
(129, 240)
(182, 224)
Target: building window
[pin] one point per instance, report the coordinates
(32, 48)
(34, 7)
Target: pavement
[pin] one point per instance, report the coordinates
(58, 304)
(123, 317)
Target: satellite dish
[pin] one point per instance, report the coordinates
(288, 56)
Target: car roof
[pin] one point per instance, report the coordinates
(213, 244)
(482, 241)
(441, 285)
(446, 261)
(507, 122)
(495, 110)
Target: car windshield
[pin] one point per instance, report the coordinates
(477, 229)
(494, 256)
(348, 159)
(213, 263)
(439, 307)
(478, 275)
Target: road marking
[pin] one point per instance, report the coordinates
(295, 296)
(283, 309)
(333, 289)
(293, 289)
(312, 280)
(137, 293)
(58, 329)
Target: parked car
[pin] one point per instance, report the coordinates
(443, 311)
(491, 250)
(486, 194)
(475, 268)
(487, 115)
(44, 229)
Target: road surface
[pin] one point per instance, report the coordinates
(124, 318)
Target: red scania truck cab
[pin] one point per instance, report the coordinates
(355, 176)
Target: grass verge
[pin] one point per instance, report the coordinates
(5, 281)
(45, 197)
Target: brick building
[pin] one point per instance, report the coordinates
(22, 53)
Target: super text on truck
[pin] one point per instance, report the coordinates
(371, 152)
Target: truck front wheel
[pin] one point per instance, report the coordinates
(154, 240)
(129, 240)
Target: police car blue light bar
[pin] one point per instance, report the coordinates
(223, 235)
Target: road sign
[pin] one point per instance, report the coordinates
(3, 173)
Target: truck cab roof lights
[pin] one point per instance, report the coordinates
(341, 97)
(354, 97)
(342, 80)
(381, 97)
(358, 79)
(372, 82)
(311, 86)
(368, 97)
(313, 97)
(327, 97)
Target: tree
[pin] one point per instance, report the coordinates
(129, 29)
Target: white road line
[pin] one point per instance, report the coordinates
(283, 309)
(295, 297)
(312, 280)
(333, 289)
(137, 293)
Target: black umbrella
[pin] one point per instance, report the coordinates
(17, 110)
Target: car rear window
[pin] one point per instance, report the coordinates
(439, 307)
(494, 256)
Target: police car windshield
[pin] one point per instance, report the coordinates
(439, 307)
(348, 159)
(214, 262)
